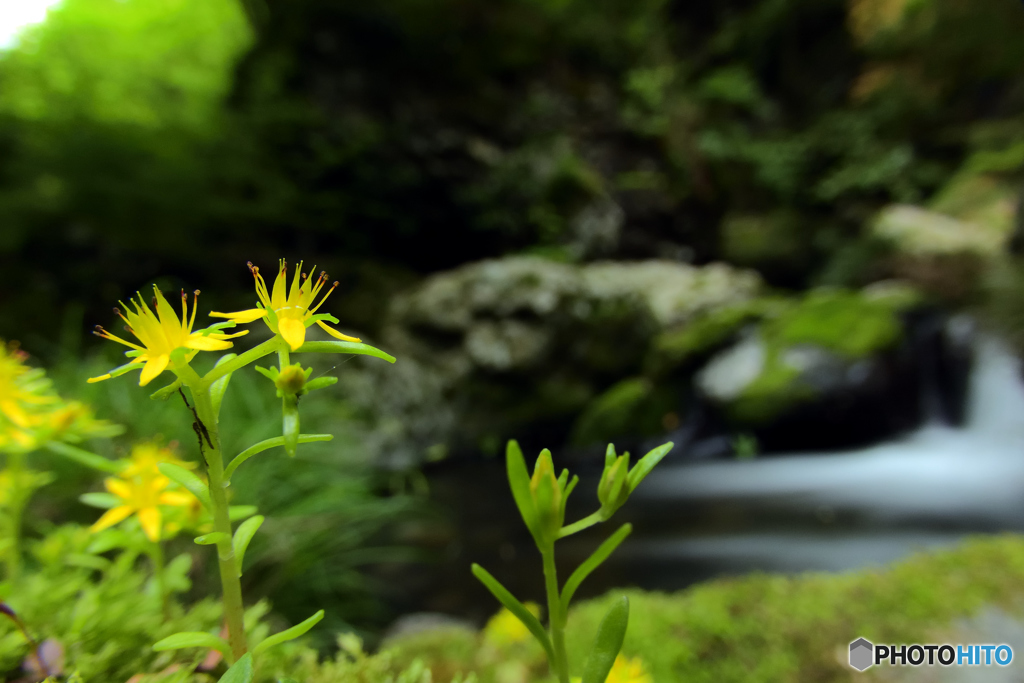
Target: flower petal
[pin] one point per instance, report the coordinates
(154, 366)
(111, 517)
(206, 343)
(93, 380)
(150, 519)
(292, 331)
(119, 488)
(243, 317)
(337, 335)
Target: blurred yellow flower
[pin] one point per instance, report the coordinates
(504, 628)
(31, 413)
(286, 311)
(147, 456)
(142, 496)
(161, 334)
(625, 670)
(628, 670)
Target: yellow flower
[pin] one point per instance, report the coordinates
(625, 670)
(161, 334)
(22, 389)
(504, 628)
(286, 311)
(142, 496)
(146, 457)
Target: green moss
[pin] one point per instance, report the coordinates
(632, 407)
(847, 323)
(766, 627)
(676, 347)
(850, 324)
(775, 628)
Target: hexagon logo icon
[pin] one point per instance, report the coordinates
(861, 654)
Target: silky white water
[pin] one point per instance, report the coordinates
(849, 509)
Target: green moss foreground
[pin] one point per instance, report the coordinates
(766, 627)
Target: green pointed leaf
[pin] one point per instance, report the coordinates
(100, 500)
(191, 482)
(519, 481)
(264, 445)
(211, 539)
(240, 512)
(243, 535)
(515, 607)
(84, 457)
(610, 635)
(356, 348)
(271, 374)
(320, 383)
(240, 672)
(609, 455)
(647, 463)
(291, 634)
(593, 562)
(290, 424)
(220, 386)
(202, 639)
(166, 392)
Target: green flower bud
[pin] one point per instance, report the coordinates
(614, 489)
(292, 380)
(547, 491)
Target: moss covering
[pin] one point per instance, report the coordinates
(767, 627)
(850, 324)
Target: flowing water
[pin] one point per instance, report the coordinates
(836, 511)
(830, 511)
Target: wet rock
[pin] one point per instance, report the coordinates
(520, 347)
(839, 369)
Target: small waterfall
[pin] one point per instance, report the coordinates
(839, 510)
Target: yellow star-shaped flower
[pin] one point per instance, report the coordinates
(142, 496)
(287, 311)
(161, 334)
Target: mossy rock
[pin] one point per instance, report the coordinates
(826, 329)
(678, 347)
(630, 408)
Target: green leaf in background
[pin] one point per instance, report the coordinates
(194, 639)
(211, 539)
(609, 639)
(290, 634)
(240, 672)
(517, 608)
(243, 535)
(191, 482)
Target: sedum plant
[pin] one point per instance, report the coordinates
(32, 418)
(165, 342)
(541, 500)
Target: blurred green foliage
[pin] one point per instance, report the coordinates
(183, 136)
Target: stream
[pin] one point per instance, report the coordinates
(830, 511)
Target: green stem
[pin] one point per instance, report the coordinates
(210, 447)
(556, 615)
(156, 556)
(84, 457)
(264, 445)
(240, 361)
(283, 357)
(585, 523)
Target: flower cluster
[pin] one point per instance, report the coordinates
(32, 414)
(142, 490)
